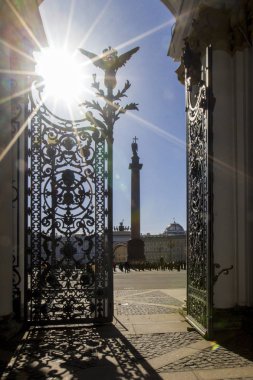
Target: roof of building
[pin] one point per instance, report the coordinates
(174, 229)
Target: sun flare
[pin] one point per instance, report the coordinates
(62, 74)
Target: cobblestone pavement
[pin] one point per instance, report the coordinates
(128, 293)
(155, 297)
(209, 359)
(231, 353)
(139, 303)
(142, 309)
(67, 353)
(108, 352)
(61, 353)
(153, 345)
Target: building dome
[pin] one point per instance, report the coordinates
(174, 229)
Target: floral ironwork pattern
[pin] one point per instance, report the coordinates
(67, 221)
(69, 205)
(199, 270)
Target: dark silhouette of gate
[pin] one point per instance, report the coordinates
(69, 273)
(69, 238)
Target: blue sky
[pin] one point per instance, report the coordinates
(159, 124)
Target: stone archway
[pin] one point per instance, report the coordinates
(120, 253)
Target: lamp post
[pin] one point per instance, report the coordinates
(108, 114)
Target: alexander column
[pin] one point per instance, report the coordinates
(135, 246)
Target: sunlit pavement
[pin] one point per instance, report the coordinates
(149, 339)
(150, 279)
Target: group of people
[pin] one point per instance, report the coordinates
(123, 267)
(173, 265)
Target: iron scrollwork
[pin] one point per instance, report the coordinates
(198, 207)
(225, 271)
(69, 206)
(66, 219)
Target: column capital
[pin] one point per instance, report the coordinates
(224, 27)
(225, 24)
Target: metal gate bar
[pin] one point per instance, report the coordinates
(67, 269)
(199, 194)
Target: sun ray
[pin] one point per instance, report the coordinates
(230, 168)
(19, 133)
(54, 105)
(70, 19)
(175, 140)
(182, 144)
(18, 93)
(134, 39)
(150, 125)
(145, 34)
(159, 131)
(23, 23)
(18, 72)
(20, 52)
(49, 31)
(74, 128)
(88, 33)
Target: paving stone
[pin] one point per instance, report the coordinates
(210, 359)
(126, 292)
(155, 297)
(154, 345)
(81, 352)
(61, 353)
(142, 309)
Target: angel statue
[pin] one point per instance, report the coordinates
(135, 147)
(109, 62)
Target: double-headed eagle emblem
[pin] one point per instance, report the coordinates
(109, 62)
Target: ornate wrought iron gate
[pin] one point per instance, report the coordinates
(199, 192)
(69, 241)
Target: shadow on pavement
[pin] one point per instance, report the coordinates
(77, 352)
(237, 341)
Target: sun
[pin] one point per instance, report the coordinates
(62, 74)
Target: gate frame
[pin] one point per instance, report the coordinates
(107, 215)
(193, 73)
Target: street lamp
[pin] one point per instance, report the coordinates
(109, 112)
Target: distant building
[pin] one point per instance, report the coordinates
(121, 235)
(171, 244)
